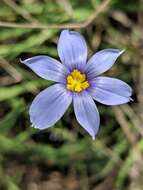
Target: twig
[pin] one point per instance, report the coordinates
(67, 6)
(124, 125)
(140, 88)
(102, 7)
(140, 75)
(6, 80)
(25, 14)
(10, 69)
(134, 118)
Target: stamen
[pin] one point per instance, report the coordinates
(76, 81)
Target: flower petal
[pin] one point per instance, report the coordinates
(102, 61)
(72, 49)
(86, 112)
(49, 106)
(47, 67)
(110, 91)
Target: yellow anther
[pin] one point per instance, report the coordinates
(76, 81)
(70, 79)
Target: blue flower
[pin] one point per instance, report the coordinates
(78, 81)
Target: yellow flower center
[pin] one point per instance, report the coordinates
(76, 81)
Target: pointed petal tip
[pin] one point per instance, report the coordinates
(24, 61)
(65, 30)
(93, 137)
(131, 99)
(34, 126)
(21, 61)
(38, 127)
(122, 51)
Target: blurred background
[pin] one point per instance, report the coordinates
(65, 156)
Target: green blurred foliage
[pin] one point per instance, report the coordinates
(113, 160)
